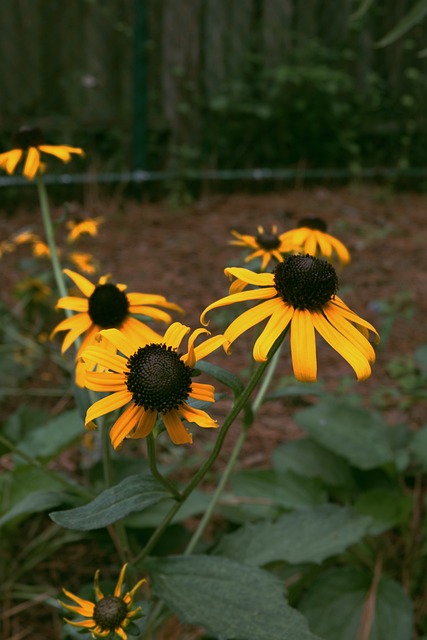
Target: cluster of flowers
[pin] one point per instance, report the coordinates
(147, 375)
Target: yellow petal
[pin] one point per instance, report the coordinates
(140, 333)
(242, 296)
(107, 360)
(257, 279)
(348, 351)
(175, 334)
(273, 329)
(104, 381)
(336, 318)
(125, 424)
(119, 340)
(251, 317)
(145, 425)
(73, 304)
(176, 430)
(85, 286)
(63, 152)
(82, 322)
(87, 605)
(151, 312)
(201, 418)
(86, 624)
(107, 405)
(341, 250)
(353, 317)
(303, 346)
(10, 159)
(119, 584)
(208, 346)
(32, 163)
(201, 391)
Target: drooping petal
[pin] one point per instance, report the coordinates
(145, 425)
(251, 317)
(151, 312)
(98, 593)
(138, 299)
(303, 346)
(73, 304)
(125, 424)
(336, 318)
(323, 241)
(201, 418)
(190, 357)
(353, 317)
(78, 324)
(139, 333)
(10, 159)
(344, 347)
(107, 405)
(176, 430)
(242, 296)
(202, 391)
(341, 250)
(85, 286)
(32, 163)
(84, 604)
(276, 325)
(175, 334)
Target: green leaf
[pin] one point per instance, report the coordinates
(195, 504)
(310, 535)
(132, 494)
(256, 489)
(356, 434)
(409, 20)
(334, 605)
(307, 458)
(418, 447)
(386, 509)
(421, 352)
(34, 502)
(222, 375)
(48, 440)
(228, 599)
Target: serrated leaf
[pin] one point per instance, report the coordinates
(135, 493)
(304, 536)
(228, 599)
(356, 434)
(334, 605)
(34, 502)
(307, 458)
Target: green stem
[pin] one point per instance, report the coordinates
(234, 412)
(151, 454)
(106, 454)
(51, 474)
(50, 239)
(226, 473)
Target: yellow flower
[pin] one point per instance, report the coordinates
(310, 237)
(266, 245)
(83, 261)
(299, 294)
(41, 250)
(108, 614)
(25, 236)
(151, 379)
(80, 227)
(106, 306)
(29, 143)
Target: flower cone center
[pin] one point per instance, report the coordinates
(268, 241)
(305, 282)
(157, 378)
(110, 612)
(28, 137)
(317, 224)
(108, 306)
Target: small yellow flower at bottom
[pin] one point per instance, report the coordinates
(300, 295)
(108, 614)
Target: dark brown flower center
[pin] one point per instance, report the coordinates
(108, 306)
(157, 378)
(27, 137)
(313, 223)
(305, 282)
(109, 613)
(268, 241)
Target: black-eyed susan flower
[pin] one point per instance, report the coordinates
(108, 615)
(150, 380)
(265, 245)
(106, 306)
(78, 228)
(29, 144)
(311, 237)
(301, 295)
(83, 261)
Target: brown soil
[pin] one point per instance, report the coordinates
(181, 253)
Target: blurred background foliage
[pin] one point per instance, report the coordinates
(218, 85)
